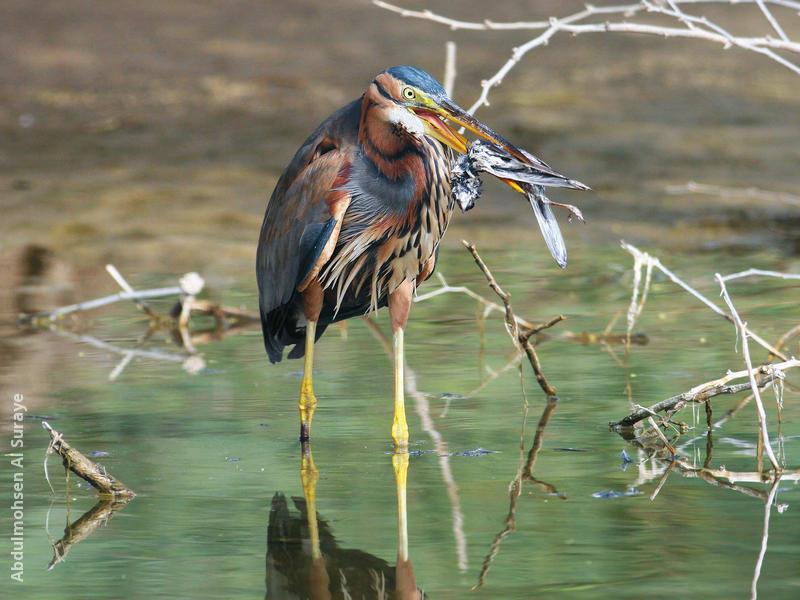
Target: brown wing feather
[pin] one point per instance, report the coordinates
(337, 200)
(301, 201)
(303, 210)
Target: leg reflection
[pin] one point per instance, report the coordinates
(304, 559)
(405, 581)
(289, 572)
(318, 579)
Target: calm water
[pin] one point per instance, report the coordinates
(208, 453)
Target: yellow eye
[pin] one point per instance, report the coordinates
(408, 93)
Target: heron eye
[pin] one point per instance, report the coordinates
(408, 93)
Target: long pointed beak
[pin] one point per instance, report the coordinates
(445, 108)
(453, 112)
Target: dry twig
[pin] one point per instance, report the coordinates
(521, 339)
(762, 416)
(709, 389)
(643, 258)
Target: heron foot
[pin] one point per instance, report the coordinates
(400, 432)
(307, 404)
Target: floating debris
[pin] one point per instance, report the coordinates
(626, 460)
(607, 494)
(477, 452)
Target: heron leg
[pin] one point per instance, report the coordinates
(308, 402)
(399, 305)
(312, 304)
(399, 424)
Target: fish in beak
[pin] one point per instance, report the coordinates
(521, 170)
(433, 114)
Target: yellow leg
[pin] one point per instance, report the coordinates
(309, 476)
(308, 402)
(400, 464)
(399, 425)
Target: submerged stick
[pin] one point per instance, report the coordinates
(88, 470)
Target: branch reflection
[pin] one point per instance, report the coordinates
(524, 473)
(84, 526)
(662, 464)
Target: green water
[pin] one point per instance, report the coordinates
(207, 453)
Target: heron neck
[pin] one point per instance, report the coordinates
(394, 152)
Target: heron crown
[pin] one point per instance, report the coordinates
(418, 78)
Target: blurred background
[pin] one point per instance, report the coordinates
(136, 131)
(150, 135)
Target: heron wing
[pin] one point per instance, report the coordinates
(300, 228)
(303, 216)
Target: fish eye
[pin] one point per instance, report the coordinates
(408, 93)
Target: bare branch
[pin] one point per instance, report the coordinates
(89, 304)
(761, 272)
(763, 6)
(690, 26)
(762, 416)
(490, 306)
(644, 258)
(707, 390)
(450, 72)
(117, 276)
(520, 339)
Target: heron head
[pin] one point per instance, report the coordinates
(423, 106)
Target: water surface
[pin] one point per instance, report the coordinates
(207, 453)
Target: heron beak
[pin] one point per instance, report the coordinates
(438, 129)
(435, 111)
(452, 112)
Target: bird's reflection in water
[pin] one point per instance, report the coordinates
(304, 559)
